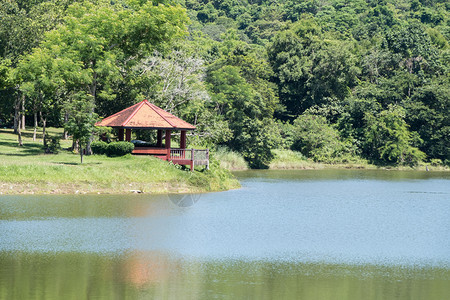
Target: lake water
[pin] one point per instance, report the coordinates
(285, 235)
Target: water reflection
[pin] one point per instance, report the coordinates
(157, 275)
(289, 235)
(184, 200)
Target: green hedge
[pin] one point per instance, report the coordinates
(99, 147)
(119, 148)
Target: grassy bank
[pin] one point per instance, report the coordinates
(290, 160)
(28, 170)
(293, 160)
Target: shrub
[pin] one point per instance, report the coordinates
(52, 144)
(316, 139)
(99, 147)
(119, 148)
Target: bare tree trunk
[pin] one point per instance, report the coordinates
(88, 146)
(93, 91)
(23, 113)
(81, 154)
(19, 125)
(16, 114)
(74, 145)
(44, 127)
(19, 131)
(66, 119)
(35, 126)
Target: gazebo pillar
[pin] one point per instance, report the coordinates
(183, 139)
(159, 138)
(128, 135)
(168, 133)
(120, 134)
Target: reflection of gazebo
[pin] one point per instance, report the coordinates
(145, 115)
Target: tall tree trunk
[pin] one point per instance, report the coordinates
(19, 125)
(16, 114)
(44, 127)
(23, 112)
(93, 91)
(81, 154)
(66, 119)
(35, 126)
(88, 145)
(74, 145)
(19, 131)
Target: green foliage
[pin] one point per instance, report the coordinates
(99, 147)
(311, 68)
(119, 148)
(242, 96)
(316, 139)
(81, 121)
(53, 144)
(255, 144)
(427, 114)
(388, 139)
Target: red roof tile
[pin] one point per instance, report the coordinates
(145, 115)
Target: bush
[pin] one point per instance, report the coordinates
(52, 144)
(316, 139)
(119, 148)
(99, 147)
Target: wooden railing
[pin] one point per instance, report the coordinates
(190, 156)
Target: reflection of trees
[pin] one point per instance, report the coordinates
(144, 268)
(87, 206)
(158, 275)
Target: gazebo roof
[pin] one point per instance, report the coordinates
(145, 115)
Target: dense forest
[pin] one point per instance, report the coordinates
(337, 80)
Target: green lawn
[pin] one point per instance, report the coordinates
(28, 170)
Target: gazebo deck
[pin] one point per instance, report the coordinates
(192, 157)
(150, 151)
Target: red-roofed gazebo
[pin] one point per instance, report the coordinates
(145, 115)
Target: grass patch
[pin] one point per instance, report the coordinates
(28, 170)
(230, 160)
(292, 160)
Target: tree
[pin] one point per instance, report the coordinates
(6, 101)
(174, 82)
(40, 79)
(414, 49)
(427, 114)
(387, 138)
(81, 121)
(22, 27)
(315, 138)
(108, 38)
(311, 68)
(91, 52)
(237, 102)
